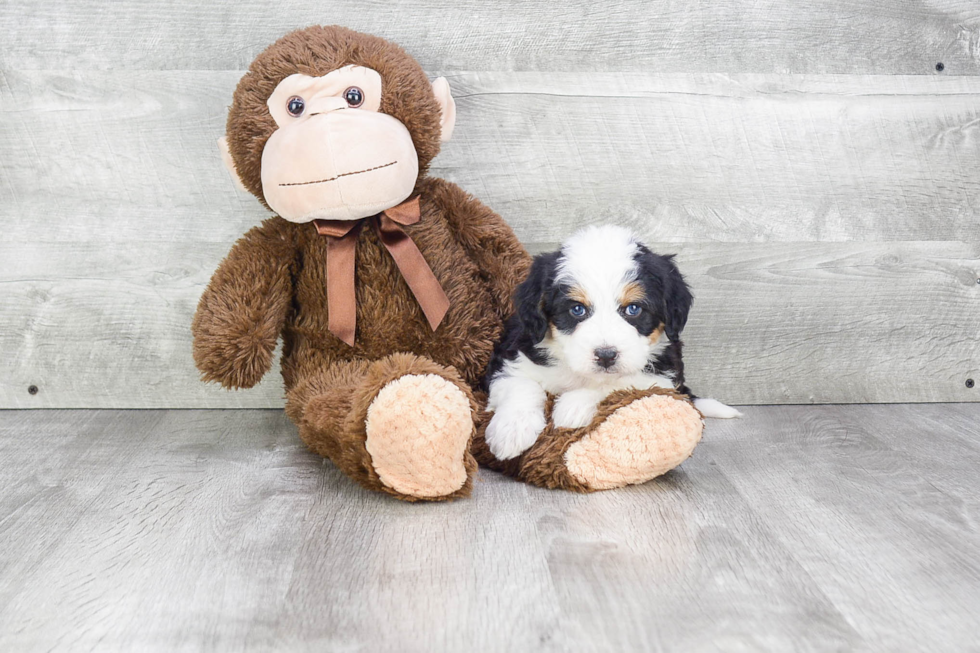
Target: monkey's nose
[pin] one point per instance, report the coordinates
(328, 104)
(605, 357)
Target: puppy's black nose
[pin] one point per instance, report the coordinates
(606, 356)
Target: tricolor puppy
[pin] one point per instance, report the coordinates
(603, 313)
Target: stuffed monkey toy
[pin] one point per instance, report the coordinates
(389, 288)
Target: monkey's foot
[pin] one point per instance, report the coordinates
(418, 430)
(635, 443)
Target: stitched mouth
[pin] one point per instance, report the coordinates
(343, 174)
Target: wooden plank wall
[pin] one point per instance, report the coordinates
(817, 175)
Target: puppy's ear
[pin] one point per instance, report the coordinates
(677, 299)
(531, 296)
(663, 275)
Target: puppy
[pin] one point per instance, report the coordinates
(603, 313)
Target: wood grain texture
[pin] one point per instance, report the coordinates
(850, 201)
(771, 323)
(795, 528)
(111, 326)
(909, 464)
(836, 36)
(746, 158)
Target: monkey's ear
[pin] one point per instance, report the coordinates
(448, 106)
(230, 163)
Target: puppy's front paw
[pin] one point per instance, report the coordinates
(576, 409)
(511, 433)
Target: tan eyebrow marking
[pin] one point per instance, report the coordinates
(632, 292)
(578, 294)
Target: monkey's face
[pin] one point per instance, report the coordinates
(330, 123)
(334, 155)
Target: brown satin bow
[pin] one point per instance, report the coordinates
(342, 238)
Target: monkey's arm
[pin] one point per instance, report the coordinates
(244, 308)
(490, 242)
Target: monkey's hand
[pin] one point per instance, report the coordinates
(244, 307)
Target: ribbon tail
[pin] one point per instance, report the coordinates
(417, 273)
(341, 298)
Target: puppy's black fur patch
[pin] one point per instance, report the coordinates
(529, 325)
(662, 280)
(664, 283)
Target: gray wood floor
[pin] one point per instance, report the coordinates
(796, 528)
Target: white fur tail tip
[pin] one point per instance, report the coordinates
(714, 408)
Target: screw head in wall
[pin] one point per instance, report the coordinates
(969, 383)
(32, 390)
(940, 66)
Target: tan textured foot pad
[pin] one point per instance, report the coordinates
(418, 428)
(636, 443)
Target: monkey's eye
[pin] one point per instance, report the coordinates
(578, 310)
(632, 310)
(295, 106)
(354, 97)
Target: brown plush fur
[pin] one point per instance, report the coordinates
(544, 463)
(277, 272)
(273, 282)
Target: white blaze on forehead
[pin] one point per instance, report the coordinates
(600, 261)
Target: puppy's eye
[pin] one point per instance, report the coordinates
(295, 106)
(578, 310)
(632, 310)
(354, 97)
